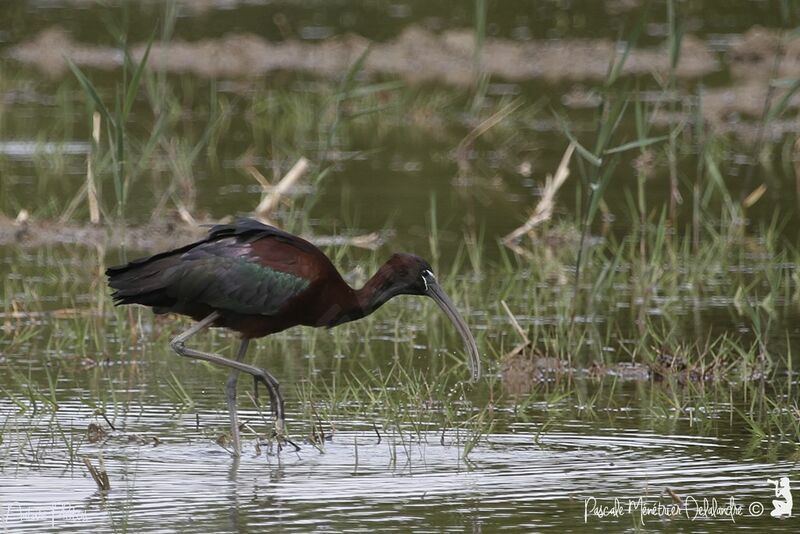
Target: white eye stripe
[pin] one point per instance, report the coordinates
(425, 274)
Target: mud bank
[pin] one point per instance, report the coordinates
(151, 237)
(416, 55)
(524, 369)
(419, 55)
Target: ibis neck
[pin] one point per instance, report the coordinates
(378, 289)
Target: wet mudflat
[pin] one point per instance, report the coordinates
(640, 336)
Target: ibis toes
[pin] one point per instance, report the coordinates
(275, 397)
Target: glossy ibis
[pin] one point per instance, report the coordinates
(258, 280)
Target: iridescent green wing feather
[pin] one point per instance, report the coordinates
(223, 275)
(223, 271)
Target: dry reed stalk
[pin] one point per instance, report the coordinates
(63, 313)
(91, 189)
(100, 475)
(492, 121)
(754, 196)
(371, 241)
(184, 213)
(272, 198)
(72, 206)
(22, 217)
(544, 209)
(258, 177)
(521, 348)
(675, 497)
(796, 162)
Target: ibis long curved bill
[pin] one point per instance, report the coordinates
(435, 291)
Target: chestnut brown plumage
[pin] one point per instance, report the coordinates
(257, 280)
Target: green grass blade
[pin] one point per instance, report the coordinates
(371, 89)
(90, 90)
(641, 143)
(347, 82)
(783, 103)
(582, 150)
(133, 86)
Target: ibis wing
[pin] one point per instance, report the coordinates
(245, 267)
(225, 276)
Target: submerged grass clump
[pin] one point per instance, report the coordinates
(408, 405)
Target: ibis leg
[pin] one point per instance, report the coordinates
(230, 390)
(178, 344)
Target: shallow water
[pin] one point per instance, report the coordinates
(187, 482)
(545, 464)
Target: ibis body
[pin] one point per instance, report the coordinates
(256, 280)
